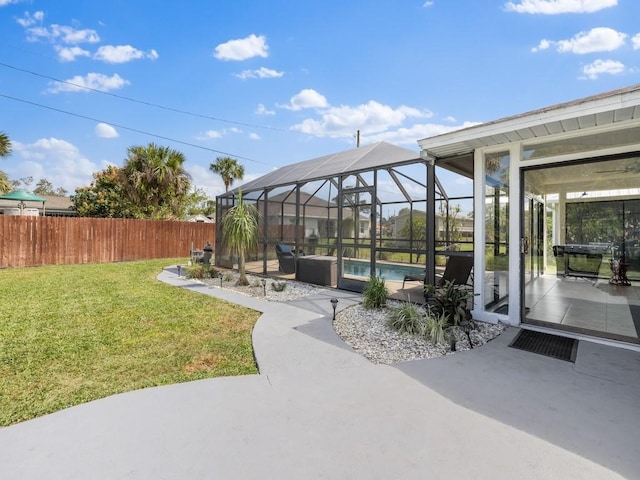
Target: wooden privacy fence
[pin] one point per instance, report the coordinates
(32, 241)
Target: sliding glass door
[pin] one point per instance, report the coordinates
(581, 247)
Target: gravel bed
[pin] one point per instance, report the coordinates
(292, 291)
(366, 330)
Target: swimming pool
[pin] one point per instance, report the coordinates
(388, 272)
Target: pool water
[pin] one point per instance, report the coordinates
(383, 270)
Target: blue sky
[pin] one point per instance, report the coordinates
(276, 82)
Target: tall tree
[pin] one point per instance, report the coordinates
(156, 181)
(198, 203)
(5, 145)
(416, 232)
(105, 197)
(240, 232)
(45, 187)
(23, 182)
(5, 151)
(229, 169)
(5, 184)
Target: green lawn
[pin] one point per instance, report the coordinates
(74, 333)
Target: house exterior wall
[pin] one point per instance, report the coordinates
(517, 163)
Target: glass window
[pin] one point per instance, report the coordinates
(496, 167)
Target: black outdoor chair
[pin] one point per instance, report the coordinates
(286, 259)
(457, 270)
(414, 278)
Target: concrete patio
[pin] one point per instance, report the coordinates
(319, 410)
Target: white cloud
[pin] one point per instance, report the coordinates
(243, 48)
(71, 35)
(122, 54)
(555, 7)
(636, 41)
(408, 135)
(259, 73)
(28, 20)
(57, 160)
(254, 136)
(599, 39)
(69, 54)
(214, 134)
(4, 3)
(104, 130)
(94, 81)
(449, 119)
(427, 4)
(63, 33)
(54, 32)
(372, 117)
(209, 134)
(262, 110)
(307, 98)
(602, 67)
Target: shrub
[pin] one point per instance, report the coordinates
(408, 318)
(255, 282)
(228, 276)
(450, 300)
(375, 293)
(279, 286)
(436, 325)
(200, 271)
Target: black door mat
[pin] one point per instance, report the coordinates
(562, 348)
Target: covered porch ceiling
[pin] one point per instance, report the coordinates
(454, 150)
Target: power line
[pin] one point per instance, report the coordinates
(123, 127)
(149, 104)
(162, 107)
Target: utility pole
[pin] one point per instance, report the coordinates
(358, 139)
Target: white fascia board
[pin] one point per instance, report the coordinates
(519, 122)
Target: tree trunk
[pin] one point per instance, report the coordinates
(242, 280)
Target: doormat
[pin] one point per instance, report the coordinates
(562, 348)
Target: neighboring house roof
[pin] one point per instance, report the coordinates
(462, 223)
(53, 204)
(199, 219)
(360, 159)
(311, 206)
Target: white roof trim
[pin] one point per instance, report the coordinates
(600, 110)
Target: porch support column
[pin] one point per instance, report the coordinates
(296, 235)
(431, 221)
(265, 231)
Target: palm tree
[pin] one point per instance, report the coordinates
(156, 181)
(5, 151)
(5, 185)
(229, 169)
(240, 232)
(5, 145)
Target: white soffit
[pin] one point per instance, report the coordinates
(597, 111)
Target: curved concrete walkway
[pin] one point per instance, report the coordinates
(316, 410)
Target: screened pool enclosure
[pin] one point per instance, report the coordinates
(378, 209)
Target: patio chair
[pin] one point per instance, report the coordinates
(414, 278)
(286, 259)
(457, 270)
